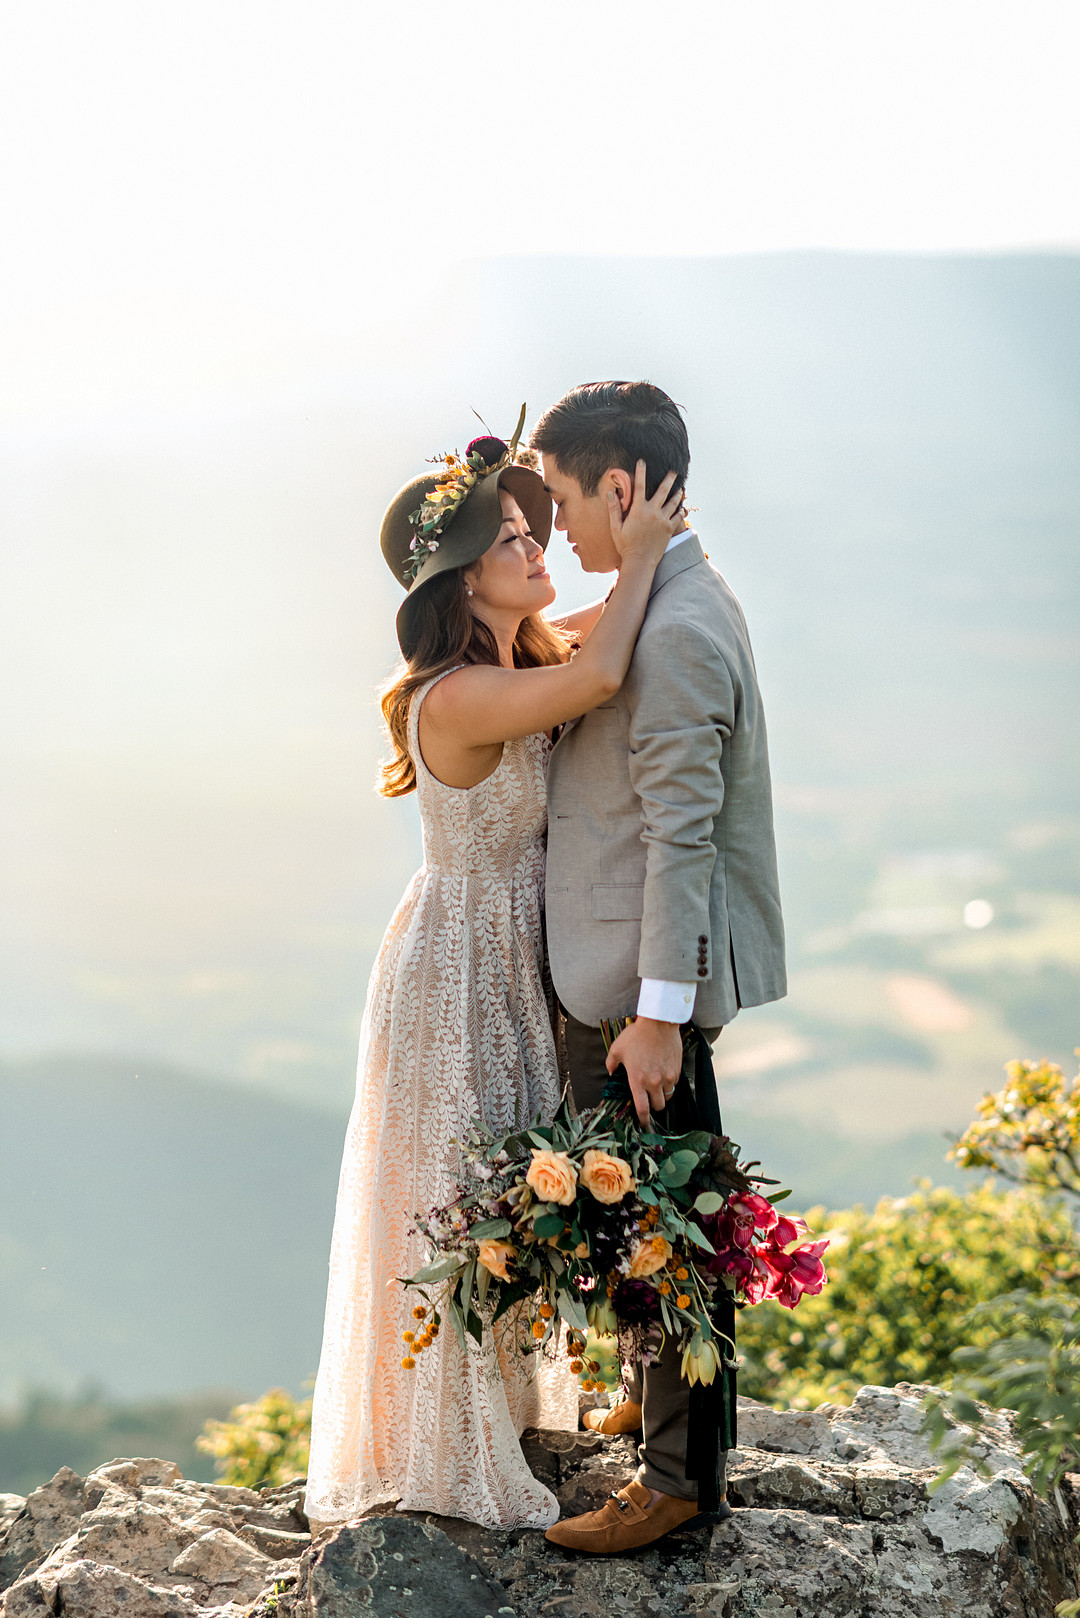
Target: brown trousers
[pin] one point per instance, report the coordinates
(664, 1395)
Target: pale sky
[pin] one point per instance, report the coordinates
(186, 188)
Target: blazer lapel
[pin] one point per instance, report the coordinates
(676, 561)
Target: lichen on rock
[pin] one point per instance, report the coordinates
(833, 1517)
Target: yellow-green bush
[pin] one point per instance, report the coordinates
(900, 1280)
(265, 1442)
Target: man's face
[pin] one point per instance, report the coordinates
(583, 518)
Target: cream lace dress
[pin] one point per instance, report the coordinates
(457, 1026)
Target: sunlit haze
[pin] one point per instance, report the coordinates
(188, 193)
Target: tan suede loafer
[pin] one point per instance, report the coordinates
(626, 1522)
(625, 1417)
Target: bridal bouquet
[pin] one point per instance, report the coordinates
(591, 1221)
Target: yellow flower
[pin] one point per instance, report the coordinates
(538, 1328)
(608, 1178)
(419, 1313)
(546, 1311)
(682, 1301)
(408, 1336)
(495, 1256)
(682, 1274)
(577, 1367)
(552, 1176)
(665, 1287)
(649, 1255)
(408, 1363)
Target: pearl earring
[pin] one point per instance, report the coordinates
(467, 590)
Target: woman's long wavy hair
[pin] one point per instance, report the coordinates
(447, 635)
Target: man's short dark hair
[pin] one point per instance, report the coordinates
(604, 424)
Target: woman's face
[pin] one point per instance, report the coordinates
(510, 577)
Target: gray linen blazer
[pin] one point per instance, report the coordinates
(661, 861)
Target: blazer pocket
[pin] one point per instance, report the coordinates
(618, 901)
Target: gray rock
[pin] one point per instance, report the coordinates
(834, 1519)
(11, 1506)
(391, 1566)
(133, 1473)
(83, 1589)
(51, 1514)
(219, 1557)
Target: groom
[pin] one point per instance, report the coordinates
(662, 897)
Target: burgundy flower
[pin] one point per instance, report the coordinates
(490, 450)
(636, 1301)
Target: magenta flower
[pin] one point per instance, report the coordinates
(795, 1273)
(748, 1214)
(788, 1229)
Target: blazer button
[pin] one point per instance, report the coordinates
(702, 939)
(702, 971)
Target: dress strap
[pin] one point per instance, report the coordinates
(414, 709)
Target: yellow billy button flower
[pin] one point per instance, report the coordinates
(539, 1328)
(408, 1336)
(408, 1363)
(665, 1288)
(546, 1311)
(683, 1300)
(419, 1313)
(576, 1367)
(682, 1274)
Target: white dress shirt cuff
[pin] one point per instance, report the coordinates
(667, 1002)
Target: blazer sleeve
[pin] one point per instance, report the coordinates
(682, 703)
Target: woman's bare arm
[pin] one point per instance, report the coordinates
(580, 623)
(481, 706)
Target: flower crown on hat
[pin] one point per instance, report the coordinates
(458, 477)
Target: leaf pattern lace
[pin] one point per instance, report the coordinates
(457, 1026)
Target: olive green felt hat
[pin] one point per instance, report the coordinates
(448, 517)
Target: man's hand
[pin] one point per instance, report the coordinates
(651, 1052)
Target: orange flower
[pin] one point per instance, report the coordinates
(546, 1311)
(649, 1255)
(538, 1328)
(608, 1178)
(495, 1256)
(683, 1300)
(552, 1176)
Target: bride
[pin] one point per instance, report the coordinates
(458, 1023)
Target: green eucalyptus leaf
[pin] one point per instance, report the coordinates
(490, 1229)
(439, 1269)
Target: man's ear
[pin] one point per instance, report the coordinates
(622, 483)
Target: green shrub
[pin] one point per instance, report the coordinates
(265, 1442)
(901, 1279)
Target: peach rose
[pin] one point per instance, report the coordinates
(649, 1255)
(608, 1178)
(552, 1176)
(495, 1256)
